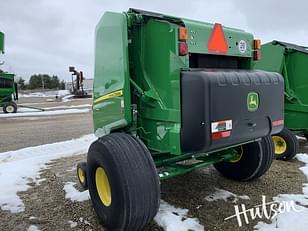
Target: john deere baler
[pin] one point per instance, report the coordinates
(167, 90)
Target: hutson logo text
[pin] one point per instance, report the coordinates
(268, 210)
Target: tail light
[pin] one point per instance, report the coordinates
(277, 123)
(256, 55)
(256, 47)
(183, 48)
(221, 135)
(183, 35)
(257, 44)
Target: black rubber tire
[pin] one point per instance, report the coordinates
(292, 145)
(83, 167)
(133, 179)
(256, 160)
(268, 155)
(11, 104)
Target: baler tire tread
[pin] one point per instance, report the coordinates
(83, 166)
(256, 160)
(267, 147)
(292, 145)
(10, 104)
(134, 183)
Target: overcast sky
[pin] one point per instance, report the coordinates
(46, 36)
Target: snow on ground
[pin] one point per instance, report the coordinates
(301, 138)
(28, 109)
(46, 113)
(18, 168)
(67, 98)
(176, 219)
(22, 109)
(225, 195)
(293, 220)
(65, 106)
(46, 94)
(73, 224)
(33, 228)
(73, 194)
(168, 217)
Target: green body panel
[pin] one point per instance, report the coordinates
(111, 75)
(200, 32)
(1, 42)
(157, 65)
(143, 50)
(291, 61)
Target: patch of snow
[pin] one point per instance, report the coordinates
(73, 194)
(39, 181)
(176, 219)
(67, 98)
(73, 224)
(46, 113)
(301, 138)
(87, 223)
(291, 220)
(168, 217)
(71, 169)
(25, 109)
(45, 94)
(225, 195)
(18, 168)
(33, 228)
(65, 106)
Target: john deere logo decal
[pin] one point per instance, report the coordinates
(252, 101)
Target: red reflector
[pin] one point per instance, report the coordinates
(277, 123)
(217, 42)
(257, 55)
(183, 49)
(220, 135)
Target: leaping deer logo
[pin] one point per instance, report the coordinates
(252, 101)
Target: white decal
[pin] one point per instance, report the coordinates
(242, 46)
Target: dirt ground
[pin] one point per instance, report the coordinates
(47, 208)
(21, 132)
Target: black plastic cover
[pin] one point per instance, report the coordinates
(209, 96)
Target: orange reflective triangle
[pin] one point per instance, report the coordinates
(217, 42)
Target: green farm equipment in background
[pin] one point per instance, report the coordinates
(292, 62)
(8, 88)
(172, 95)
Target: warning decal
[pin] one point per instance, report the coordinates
(221, 126)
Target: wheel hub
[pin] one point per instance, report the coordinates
(238, 155)
(10, 109)
(280, 145)
(103, 186)
(81, 175)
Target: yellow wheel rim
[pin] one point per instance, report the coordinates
(280, 145)
(103, 186)
(81, 175)
(238, 155)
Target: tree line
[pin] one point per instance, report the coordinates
(41, 81)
